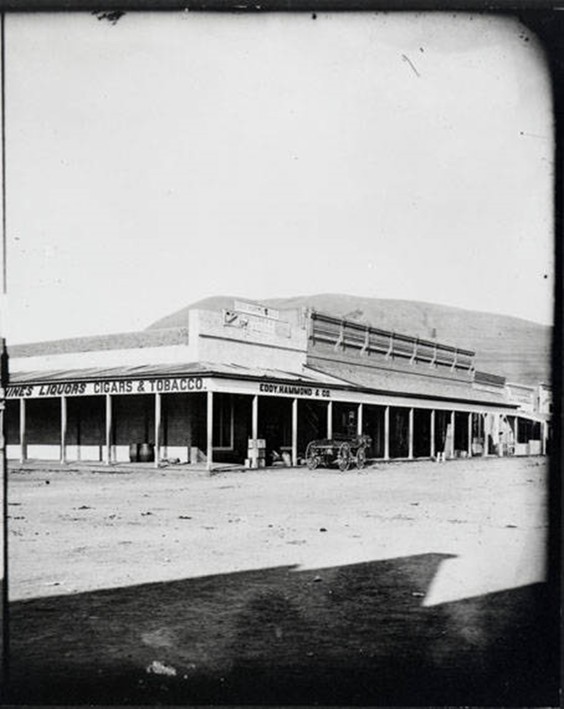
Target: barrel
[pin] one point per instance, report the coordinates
(146, 453)
(134, 452)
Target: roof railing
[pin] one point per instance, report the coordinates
(343, 334)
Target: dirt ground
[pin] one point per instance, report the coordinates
(404, 583)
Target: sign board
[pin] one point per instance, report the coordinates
(253, 309)
(166, 385)
(309, 392)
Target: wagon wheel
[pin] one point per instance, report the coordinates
(344, 457)
(312, 459)
(360, 458)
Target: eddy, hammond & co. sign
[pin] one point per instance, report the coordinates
(96, 388)
(294, 390)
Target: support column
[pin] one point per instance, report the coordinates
(512, 435)
(451, 447)
(63, 429)
(486, 436)
(209, 430)
(544, 436)
(387, 433)
(433, 449)
(329, 419)
(359, 420)
(109, 428)
(497, 437)
(294, 432)
(410, 434)
(23, 452)
(254, 417)
(158, 411)
(469, 434)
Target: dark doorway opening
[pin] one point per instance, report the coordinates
(399, 432)
(421, 433)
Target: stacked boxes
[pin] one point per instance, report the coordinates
(256, 453)
(534, 447)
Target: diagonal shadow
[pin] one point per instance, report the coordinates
(355, 634)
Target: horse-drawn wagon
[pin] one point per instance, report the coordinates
(342, 451)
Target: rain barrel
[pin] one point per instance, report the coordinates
(134, 452)
(146, 453)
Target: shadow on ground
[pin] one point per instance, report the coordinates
(354, 635)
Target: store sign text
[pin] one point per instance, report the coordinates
(124, 386)
(294, 390)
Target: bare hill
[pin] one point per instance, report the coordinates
(515, 348)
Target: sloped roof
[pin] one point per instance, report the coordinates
(95, 343)
(332, 374)
(153, 371)
(392, 382)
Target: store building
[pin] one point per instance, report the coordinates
(199, 393)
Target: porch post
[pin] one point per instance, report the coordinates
(544, 436)
(109, 426)
(410, 433)
(497, 436)
(433, 449)
(387, 433)
(469, 434)
(486, 437)
(512, 433)
(63, 429)
(254, 417)
(329, 419)
(23, 452)
(158, 410)
(209, 430)
(359, 420)
(452, 419)
(294, 432)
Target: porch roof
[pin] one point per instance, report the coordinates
(394, 382)
(154, 371)
(339, 376)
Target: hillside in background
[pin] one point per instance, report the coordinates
(515, 348)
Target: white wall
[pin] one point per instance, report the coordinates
(172, 354)
(262, 345)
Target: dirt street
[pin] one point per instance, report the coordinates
(411, 583)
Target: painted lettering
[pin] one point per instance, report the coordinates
(122, 387)
(102, 387)
(19, 391)
(291, 390)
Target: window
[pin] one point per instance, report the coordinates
(223, 421)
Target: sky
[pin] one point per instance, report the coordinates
(171, 157)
